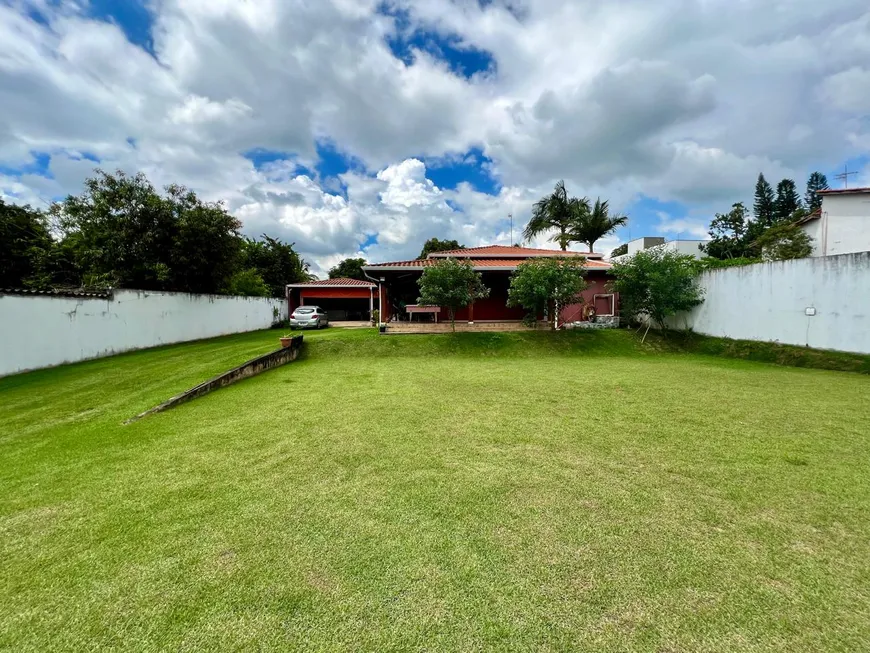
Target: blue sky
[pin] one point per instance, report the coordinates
(366, 129)
(462, 58)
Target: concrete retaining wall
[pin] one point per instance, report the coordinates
(44, 330)
(817, 302)
(250, 368)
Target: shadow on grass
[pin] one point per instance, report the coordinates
(762, 352)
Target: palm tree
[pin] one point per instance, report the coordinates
(590, 225)
(555, 211)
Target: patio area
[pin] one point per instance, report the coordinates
(401, 328)
(352, 324)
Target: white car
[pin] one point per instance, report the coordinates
(309, 317)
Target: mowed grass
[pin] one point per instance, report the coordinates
(572, 491)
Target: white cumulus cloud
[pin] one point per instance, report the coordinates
(679, 100)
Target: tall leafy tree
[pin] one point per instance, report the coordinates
(121, 230)
(816, 182)
(557, 211)
(24, 242)
(435, 245)
(547, 284)
(787, 201)
(205, 243)
(275, 261)
(452, 284)
(657, 284)
(765, 202)
(351, 268)
(592, 224)
(730, 234)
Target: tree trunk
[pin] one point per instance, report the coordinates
(452, 319)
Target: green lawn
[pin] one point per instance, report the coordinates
(530, 491)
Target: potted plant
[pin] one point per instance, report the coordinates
(286, 340)
(382, 327)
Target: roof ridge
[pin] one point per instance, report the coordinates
(339, 281)
(492, 262)
(506, 250)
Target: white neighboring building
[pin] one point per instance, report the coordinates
(691, 247)
(843, 224)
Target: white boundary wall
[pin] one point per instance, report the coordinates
(45, 330)
(771, 302)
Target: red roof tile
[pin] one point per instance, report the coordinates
(333, 283)
(490, 263)
(507, 251)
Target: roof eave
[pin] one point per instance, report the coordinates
(392, 268)
(590, 255)
(330, 285)
(479, 268)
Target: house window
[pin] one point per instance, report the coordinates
(605, 305)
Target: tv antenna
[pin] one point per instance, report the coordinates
(844, 176)
(511, 216)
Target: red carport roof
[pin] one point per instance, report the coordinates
(334, 283)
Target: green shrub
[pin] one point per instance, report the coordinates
(452, 284)
(710, 263)
(657, 284)
(546, 284)
(785, 242)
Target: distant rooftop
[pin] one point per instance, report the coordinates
(815, 215)
(844, 191)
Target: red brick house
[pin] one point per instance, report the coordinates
(342, 299)
(496, 263)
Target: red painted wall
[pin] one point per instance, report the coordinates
(494, 307)
(336, 293)
(597, 286)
